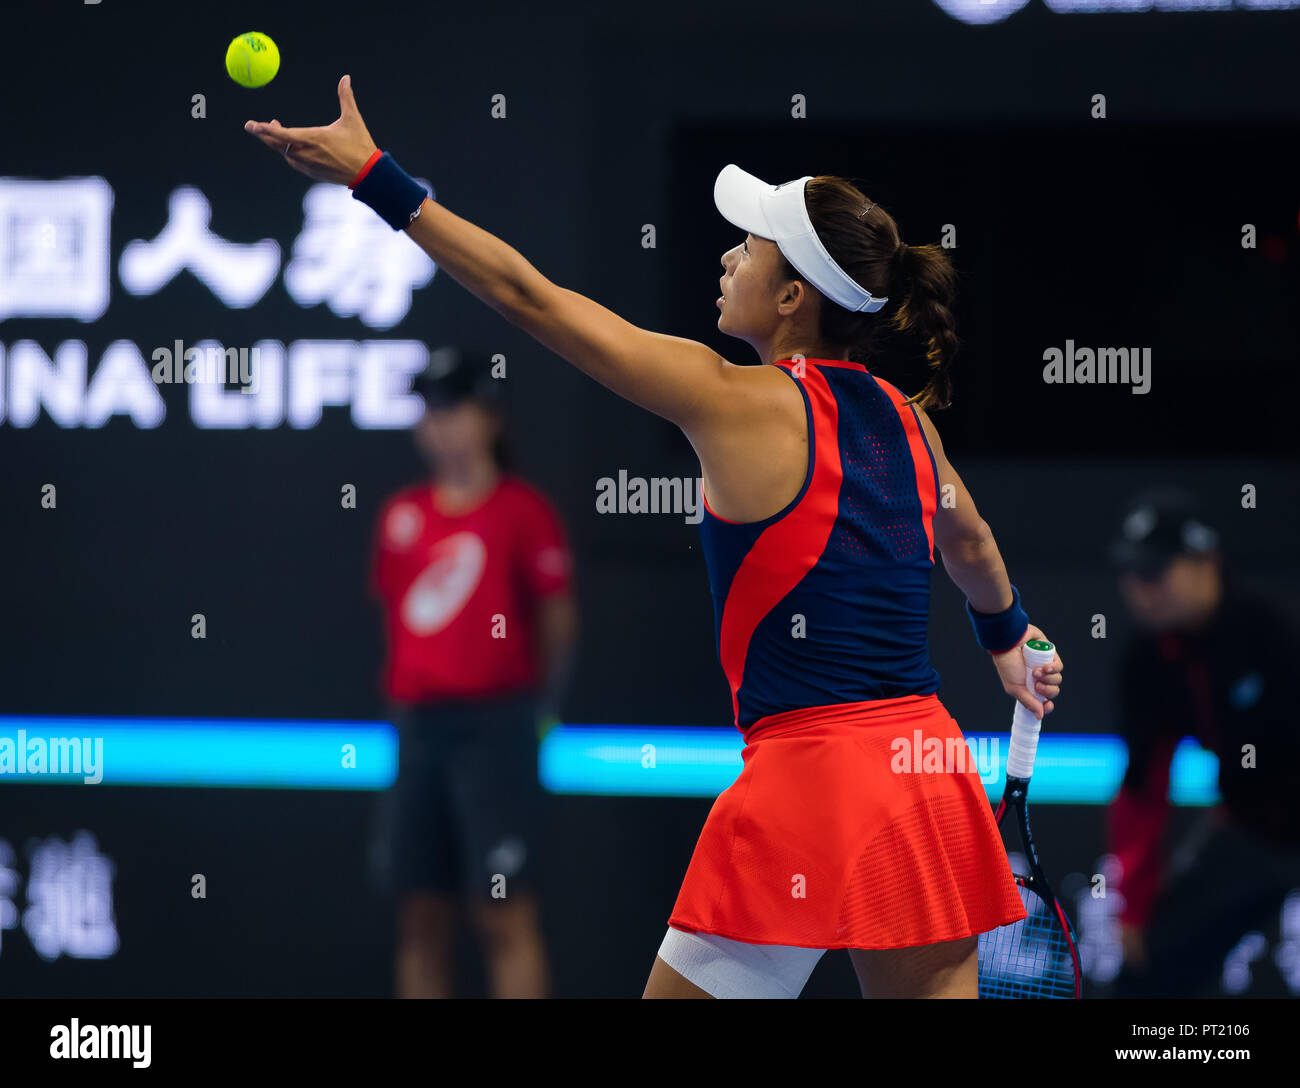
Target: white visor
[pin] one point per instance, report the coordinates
(778, 212)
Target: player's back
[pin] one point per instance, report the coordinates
(827, 601)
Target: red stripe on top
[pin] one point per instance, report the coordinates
(925, 469)
(844, 363)
(375, 156)
(787, 550)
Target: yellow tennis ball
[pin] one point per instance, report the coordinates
(252, 60)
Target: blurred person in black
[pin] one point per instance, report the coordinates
(1211, 662)
(473, 571)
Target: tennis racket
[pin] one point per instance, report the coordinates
(1036, 956)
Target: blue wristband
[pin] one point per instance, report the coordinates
(1000, 631)
(391, 192)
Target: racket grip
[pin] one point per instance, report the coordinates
(1024, 726)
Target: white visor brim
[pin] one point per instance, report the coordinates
(779, 214)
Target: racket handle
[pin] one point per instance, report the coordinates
(1024, 726)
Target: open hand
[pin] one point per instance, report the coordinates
(1047, 678)
(334, 152)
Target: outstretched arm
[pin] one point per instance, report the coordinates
(681, 380)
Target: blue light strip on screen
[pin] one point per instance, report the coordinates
(670, 761)
(240, 752)
(605, 760)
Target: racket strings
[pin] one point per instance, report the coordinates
(1027, 959)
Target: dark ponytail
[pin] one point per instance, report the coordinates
(919, 281)
(929, 282)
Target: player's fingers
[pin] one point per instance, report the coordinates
(254, 128)
(298, 135)
(1027, 701)
(300, 156)
(269, 132)
(347, 100)
(271, 139)
(1046, 682)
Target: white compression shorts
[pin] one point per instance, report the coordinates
(727, 968)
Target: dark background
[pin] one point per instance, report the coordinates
(1116, 232)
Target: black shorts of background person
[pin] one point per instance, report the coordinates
(466, 812)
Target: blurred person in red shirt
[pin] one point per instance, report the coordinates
(474, 575)
(1214, 663)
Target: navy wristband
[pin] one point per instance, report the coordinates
(1000, 631)
(391, 192)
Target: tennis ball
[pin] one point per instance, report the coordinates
(252, 60)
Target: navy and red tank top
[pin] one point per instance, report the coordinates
(827, 601)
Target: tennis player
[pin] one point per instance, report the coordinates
(827, 492)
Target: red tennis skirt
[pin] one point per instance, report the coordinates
(846, 830)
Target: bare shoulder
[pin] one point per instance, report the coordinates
(761, 391)
(931, 434)
(754, 449)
